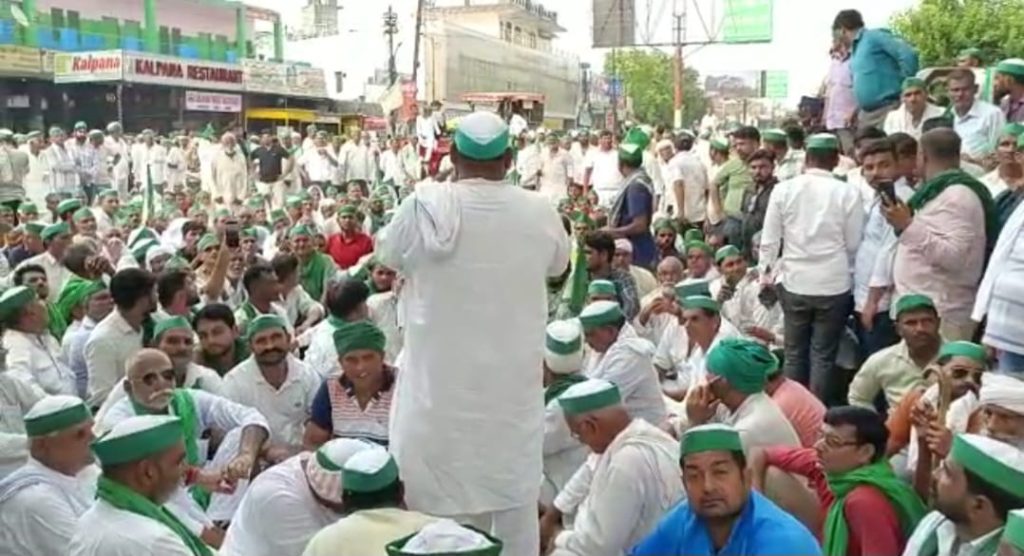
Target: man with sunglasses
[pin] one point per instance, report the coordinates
(631, 478)
(151, 388)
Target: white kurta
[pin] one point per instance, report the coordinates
(628, 364)
(629, 488)
(107, 531)
(17, 396)
(278, 515)
(197, 377)
(321, 356)
(466, 425)
(230, 176)
(287, 408)
(383, 309)
(563, 454)
(360, 164)
(674, 353)
(760, 422)
(118, 148)
(38, 359)
(39, 509)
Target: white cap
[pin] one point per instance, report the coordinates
(563, 346)
(1003, 391)
(623, 244)
(444, 537)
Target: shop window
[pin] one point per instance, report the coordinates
(111, 31)
(532, 40)
(56, 23)
(518, 36)
(73, 20)
(506, 31)
(175, 41)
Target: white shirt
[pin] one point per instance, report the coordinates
(873, 266)
(563, 454)
(107, 531)
(107, 351)
(360, 163)
(39, 513)
(555, 173)
(458, 450)
(153, 157)
(319, 166)
(366, 532)
(946, 535)
(287, 409)
(17, 396)
(60, 169)
(979, 128)
(383, 309)
(900, 120)
(118, 148)
(393, 168)
(278, 515)
(321, 356)
(427, 131)
(38, 359)
(517, 125)
(605, 177)
(995, 184)
(197, 377)
(686, 167)
(528, 163)
(674, 353)
(760, 422)
(819, 222)
(628, 364)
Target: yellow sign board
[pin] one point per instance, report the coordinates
(21, 61)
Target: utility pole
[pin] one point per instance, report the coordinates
(391, 29)
(416, 41)
(616, 82)
(677, 73)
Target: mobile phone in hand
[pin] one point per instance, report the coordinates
(887, 192)
(231, 234)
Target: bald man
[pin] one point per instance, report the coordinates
(150, 388)
(657, 307)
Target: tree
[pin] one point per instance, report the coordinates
(940, 29)
(647, 77)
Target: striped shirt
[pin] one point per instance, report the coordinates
(336, 409)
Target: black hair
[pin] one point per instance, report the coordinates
(130, 285)
(344, 297)
(938, 122)
(684, 143)
(285, 265)
(851, 20)
(169, 283)
(1002, 501)
(257, 272)
(76, 256)
(390, 496)
(869, 426)
(19, 274)
(878, 146)
(762, 154)
(823, 160)
(566, 224)
(215, 312)
(602, 242)
(192, 225)
(604, 133)
(941, 144)
(796, 136)
(905, 145)
(747, 132)
(870, 133)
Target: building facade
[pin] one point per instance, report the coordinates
(488, 46)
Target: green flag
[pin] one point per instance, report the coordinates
(574, 296)
(148, 209)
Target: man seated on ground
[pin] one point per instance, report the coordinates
(1001, 414)
(733, 394)
(660, 308)
(897, 369)
(700, 261)
(683, 347)
(600, 252)
(623, 358)
(804, 411)
(374, 498)
(738, 291)
(221, 347)
(290, 502)
(630, 480)
(302, 310)
(346, 302)
(623, 260)
(563, 361)
(721, 514)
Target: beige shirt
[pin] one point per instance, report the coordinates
(366, 532)
(890, 370)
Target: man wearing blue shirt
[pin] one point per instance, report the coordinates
(721, 514)
(879, 61)
(632, 211)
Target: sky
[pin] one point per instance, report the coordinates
(802, 34)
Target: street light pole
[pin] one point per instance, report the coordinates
(391, 29)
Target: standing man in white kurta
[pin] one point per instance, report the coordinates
(467, 427)
(230, 172)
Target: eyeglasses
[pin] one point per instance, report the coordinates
(834, 442)
(961, 373)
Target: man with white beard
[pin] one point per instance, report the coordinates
(467, 427)
(229, 171)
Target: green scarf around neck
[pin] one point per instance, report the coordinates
(311, 275)
(124, 498)
(905, 501)
(561, 384)
(934, 187)
(183, 406)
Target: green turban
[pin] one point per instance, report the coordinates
(362, 334)
(74, 292)
(743, 363)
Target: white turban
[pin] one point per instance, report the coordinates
(623, 244)
(1003, 391)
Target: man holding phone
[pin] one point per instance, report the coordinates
(872, 274)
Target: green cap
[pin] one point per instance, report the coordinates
(713, 437)
(914, 83)
(264, 322)
(665, 224)
(692, 287)
(249, 233)
(361, 334)
(255, 202)
(300, 230)
(601, 313)
(745, 364)
(966, 349)
(293, 201)
(589, 396)
(970, 53)
(1011, 66)
(693, 234)
(34, 228)
(563, 337)
(27, 208)
(1013, 129)
(370, 470)
(82, 214)
(999, 464)
(54, 414)
(1020, 142)
(602, 288)
(699, 245)
(700, 302)
(13, 300)
(774, 136)
(725, 252)
(68, 205)
(137, 438)
(347, 210)
(913, 302)
(54, 230)
(823, 142)
(81, 125)
(482, 136)
(1013, 533)
(278, 214)
(173, 323)
(207, 241)
(720, 144)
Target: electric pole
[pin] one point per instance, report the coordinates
(391, 29)
(680, 35)
(416, 41)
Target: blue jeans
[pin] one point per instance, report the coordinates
(1011, 363)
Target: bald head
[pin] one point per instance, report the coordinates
(146, 361)
(670, 271)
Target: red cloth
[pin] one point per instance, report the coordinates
(804, 411)
(873, 523)
(346, 251)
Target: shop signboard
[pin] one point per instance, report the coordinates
(87, 67)
(21, 61)
(284, 79)
(181, 72)
(204, 101)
